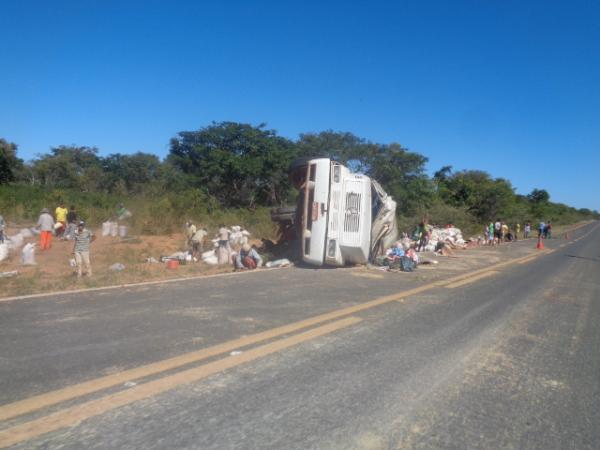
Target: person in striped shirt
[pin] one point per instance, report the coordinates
(81, 249)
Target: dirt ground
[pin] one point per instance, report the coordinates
(53, 272)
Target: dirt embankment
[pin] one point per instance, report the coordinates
(53, 272)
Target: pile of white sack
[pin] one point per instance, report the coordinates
(16, 241)
(452, 236)
(238, 236)
(114, 229)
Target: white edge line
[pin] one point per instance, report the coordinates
(130, 285)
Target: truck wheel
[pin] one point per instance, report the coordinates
(284, 214)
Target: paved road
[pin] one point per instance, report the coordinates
(499, 353)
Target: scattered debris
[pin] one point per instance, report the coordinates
(26, 233)
(117, 267)
(279, 263)
(12, 273)
(172, 264)
(428, 261)
(152, 260)
(182, 257)
(235, 353)
(15, 242)
(130, 384)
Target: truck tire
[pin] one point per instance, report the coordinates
(284, 214)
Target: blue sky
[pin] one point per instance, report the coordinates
(509, 87)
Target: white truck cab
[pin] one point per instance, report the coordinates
(337, 211)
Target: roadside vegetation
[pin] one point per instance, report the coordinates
(234, 173)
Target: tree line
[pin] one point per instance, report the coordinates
(237, 165)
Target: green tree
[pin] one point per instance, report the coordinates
(70, 167)
(483, 196)
(402, 174)
(135, 173)
(238, 164)
(343, 147)
(540, 203)
(539, 196)
(10, 165)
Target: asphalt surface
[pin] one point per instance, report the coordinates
(508, 360)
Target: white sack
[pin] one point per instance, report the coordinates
(114, 229)
(105, 229)
(211, 260)
(3, 251)
(28, 255)
(26, 233)
(15, 241)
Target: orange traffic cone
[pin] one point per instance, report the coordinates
(540, 244)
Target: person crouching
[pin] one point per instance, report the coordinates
(247, 258)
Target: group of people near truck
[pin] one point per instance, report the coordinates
(230, 246)
(499, 231)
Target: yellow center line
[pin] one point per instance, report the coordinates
(78, 413)
(485, 269)
(525, 261)
(38, 402)
(471, 280)
(41, 401)
(58, 396)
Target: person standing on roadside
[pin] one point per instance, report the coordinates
(498, 231)
(2, 226)
(541, 229)
(198, 241)
(491, 233)
(46, 226)
(517, 231)
(549, 230)
(224, 249)
(505, 233)
(190, 230)
(61, 217)
(71, 222)
(527, 230)
(423, 234)
(81, 249)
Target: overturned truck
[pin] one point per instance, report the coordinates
(340, 218)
